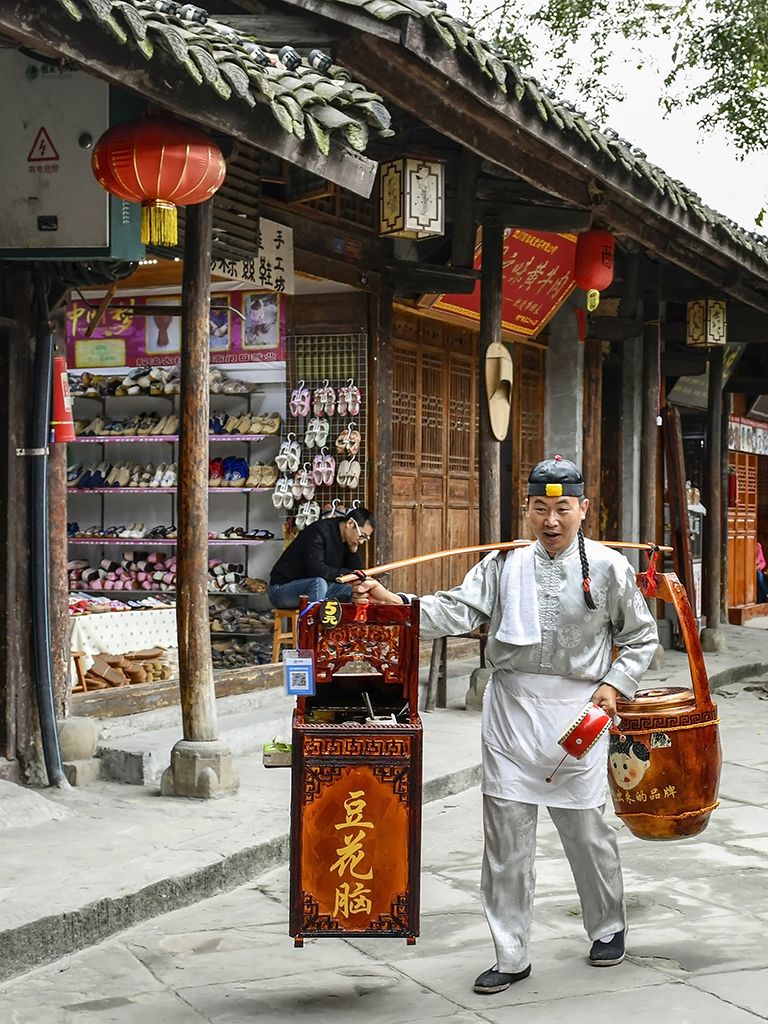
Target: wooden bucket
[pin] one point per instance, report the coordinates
(664, 759)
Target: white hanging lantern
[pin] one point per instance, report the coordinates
(412, 198)
(706, 324)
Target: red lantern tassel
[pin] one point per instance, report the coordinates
(159, 223)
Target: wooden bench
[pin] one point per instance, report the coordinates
(436, 694)
(284, 630)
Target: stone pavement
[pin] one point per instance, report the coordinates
(697, 954)
(80, 866)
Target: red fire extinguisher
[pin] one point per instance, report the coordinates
(61, 419)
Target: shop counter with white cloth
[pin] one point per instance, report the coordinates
(120, 632)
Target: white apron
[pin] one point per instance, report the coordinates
(524, 715)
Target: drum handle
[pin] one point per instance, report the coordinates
(670, 589)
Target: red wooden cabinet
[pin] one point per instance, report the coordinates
(356, 777)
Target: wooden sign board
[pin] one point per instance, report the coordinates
(538, 278)
(356, 774)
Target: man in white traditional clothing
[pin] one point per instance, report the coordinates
(555, 610)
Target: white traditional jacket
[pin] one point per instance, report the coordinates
(538, 689)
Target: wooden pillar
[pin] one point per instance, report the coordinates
(649, 446)
(593, 411)
(380, 411)
(200, 766)
(20, 749)
(198, 706)
(712, 637)
(490, 332)
(724, 464)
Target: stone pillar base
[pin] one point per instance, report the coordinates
(80, 773)
(78, 739)
(477, 684)
(713, 640)
(202, 770)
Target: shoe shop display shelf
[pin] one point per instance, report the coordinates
(251, 511)
(154, 438)
(240, 542)
(162, 490)
(326, 416)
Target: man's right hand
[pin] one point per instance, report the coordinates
(370, 591)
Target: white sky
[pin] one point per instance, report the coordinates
(707, 162)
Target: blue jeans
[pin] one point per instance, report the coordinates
(286, 595)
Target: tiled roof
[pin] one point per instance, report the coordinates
(502, 75)
(321, 106)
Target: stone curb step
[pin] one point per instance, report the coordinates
(49, 938)
(140, 758)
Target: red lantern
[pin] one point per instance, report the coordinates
(593, 271)
(61, 420)
(161, 164)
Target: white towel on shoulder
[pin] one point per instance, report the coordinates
(519, 600)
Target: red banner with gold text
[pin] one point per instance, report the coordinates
(538, 278)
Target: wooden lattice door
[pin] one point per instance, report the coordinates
(742, 532)
(435, 409)
(527, 428)
(434, 427)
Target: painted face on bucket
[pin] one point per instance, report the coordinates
(556, 521)
(629, 766)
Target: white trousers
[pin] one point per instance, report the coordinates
(509, 877)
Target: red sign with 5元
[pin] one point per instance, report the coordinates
(538, 278)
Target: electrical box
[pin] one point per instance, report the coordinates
(53, 207)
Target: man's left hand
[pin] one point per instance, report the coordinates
(605, 697)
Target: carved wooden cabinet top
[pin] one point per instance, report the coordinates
(352, 643)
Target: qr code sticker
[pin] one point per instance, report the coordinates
(299, 680)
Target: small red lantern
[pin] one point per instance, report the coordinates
(61, 419)
(162, 164)
(593, 271)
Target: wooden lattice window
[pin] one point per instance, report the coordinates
(460, 416)
(432, 413)
(404, 361)
(531, 396)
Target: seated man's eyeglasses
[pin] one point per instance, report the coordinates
(362, 537)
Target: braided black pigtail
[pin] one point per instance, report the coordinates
(589, 601)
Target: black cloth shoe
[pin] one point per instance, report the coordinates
(607, 954)
(494, 980)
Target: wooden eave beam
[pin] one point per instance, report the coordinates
(747, 385)
(407, 277)
(275, 29)
(744, 326)
(614, 328)
(161, 82)
(436, 89)
(681, 364)
(537, 218)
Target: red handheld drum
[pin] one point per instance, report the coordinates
(584, 731)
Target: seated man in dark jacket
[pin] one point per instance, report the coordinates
(312, 563)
